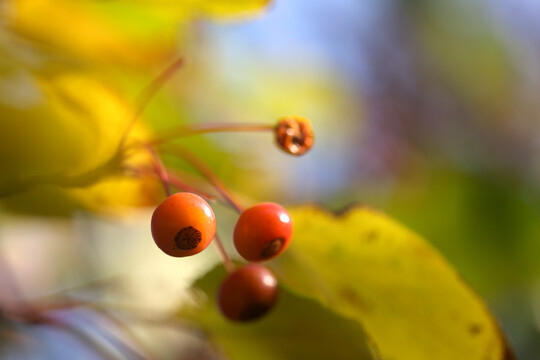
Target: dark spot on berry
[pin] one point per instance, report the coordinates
(188, 238)
(272, 248)
(253, 311)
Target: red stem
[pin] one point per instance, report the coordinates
(192, 159)
(194, 129)
(159, 169)
(174, 180)
(180, 185)
(149, 92)
(225, 259)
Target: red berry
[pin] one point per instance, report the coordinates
(183, 224)
(263, 232)
(248, 293)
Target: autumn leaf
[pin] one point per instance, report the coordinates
(65, 136)
(364, 266)
(71, 131)
(127, 32)
(64, 117)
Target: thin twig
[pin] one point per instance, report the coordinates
(181, 185)
(15, 302)
(127, 331)
(195, 129)
(227, 262)
(148, 93)
(7, 279)
(192, 159)
(160, 170)
(84, 337)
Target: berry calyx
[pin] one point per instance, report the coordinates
(248, 293)
(183, 224)
(262, 232)
(294, 135)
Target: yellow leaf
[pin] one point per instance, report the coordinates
(367, 267)
(116, 196)
(132, 32)
(225, 8)
(67, 134)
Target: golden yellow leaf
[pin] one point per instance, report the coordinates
(132, 32)
(223, 9)
(117, 196)
(367, 267)
(71, 130)
(67, 134)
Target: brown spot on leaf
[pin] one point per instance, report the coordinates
(354, 299)
(475, 329)
(188, 238)
(371, 236)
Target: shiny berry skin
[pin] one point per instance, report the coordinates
(183, 224)
(248, 293)
(263, 232)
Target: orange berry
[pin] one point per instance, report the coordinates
(183, 224)
(294, 135)
(263, 232)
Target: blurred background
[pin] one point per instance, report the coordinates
(427, 110)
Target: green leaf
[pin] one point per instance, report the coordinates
(366, 267)
(298, 328)
(466, 52)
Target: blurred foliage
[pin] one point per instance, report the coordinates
(65, 124)
(482, 221)
(123, 32)
(427, 110)
(72, 136)
(465, 51)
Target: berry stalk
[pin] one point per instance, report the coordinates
(225, 259)
(196, 129)
(148, 93)
(159, 169)
(192, 159)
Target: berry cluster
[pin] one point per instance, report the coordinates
(184, 224)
